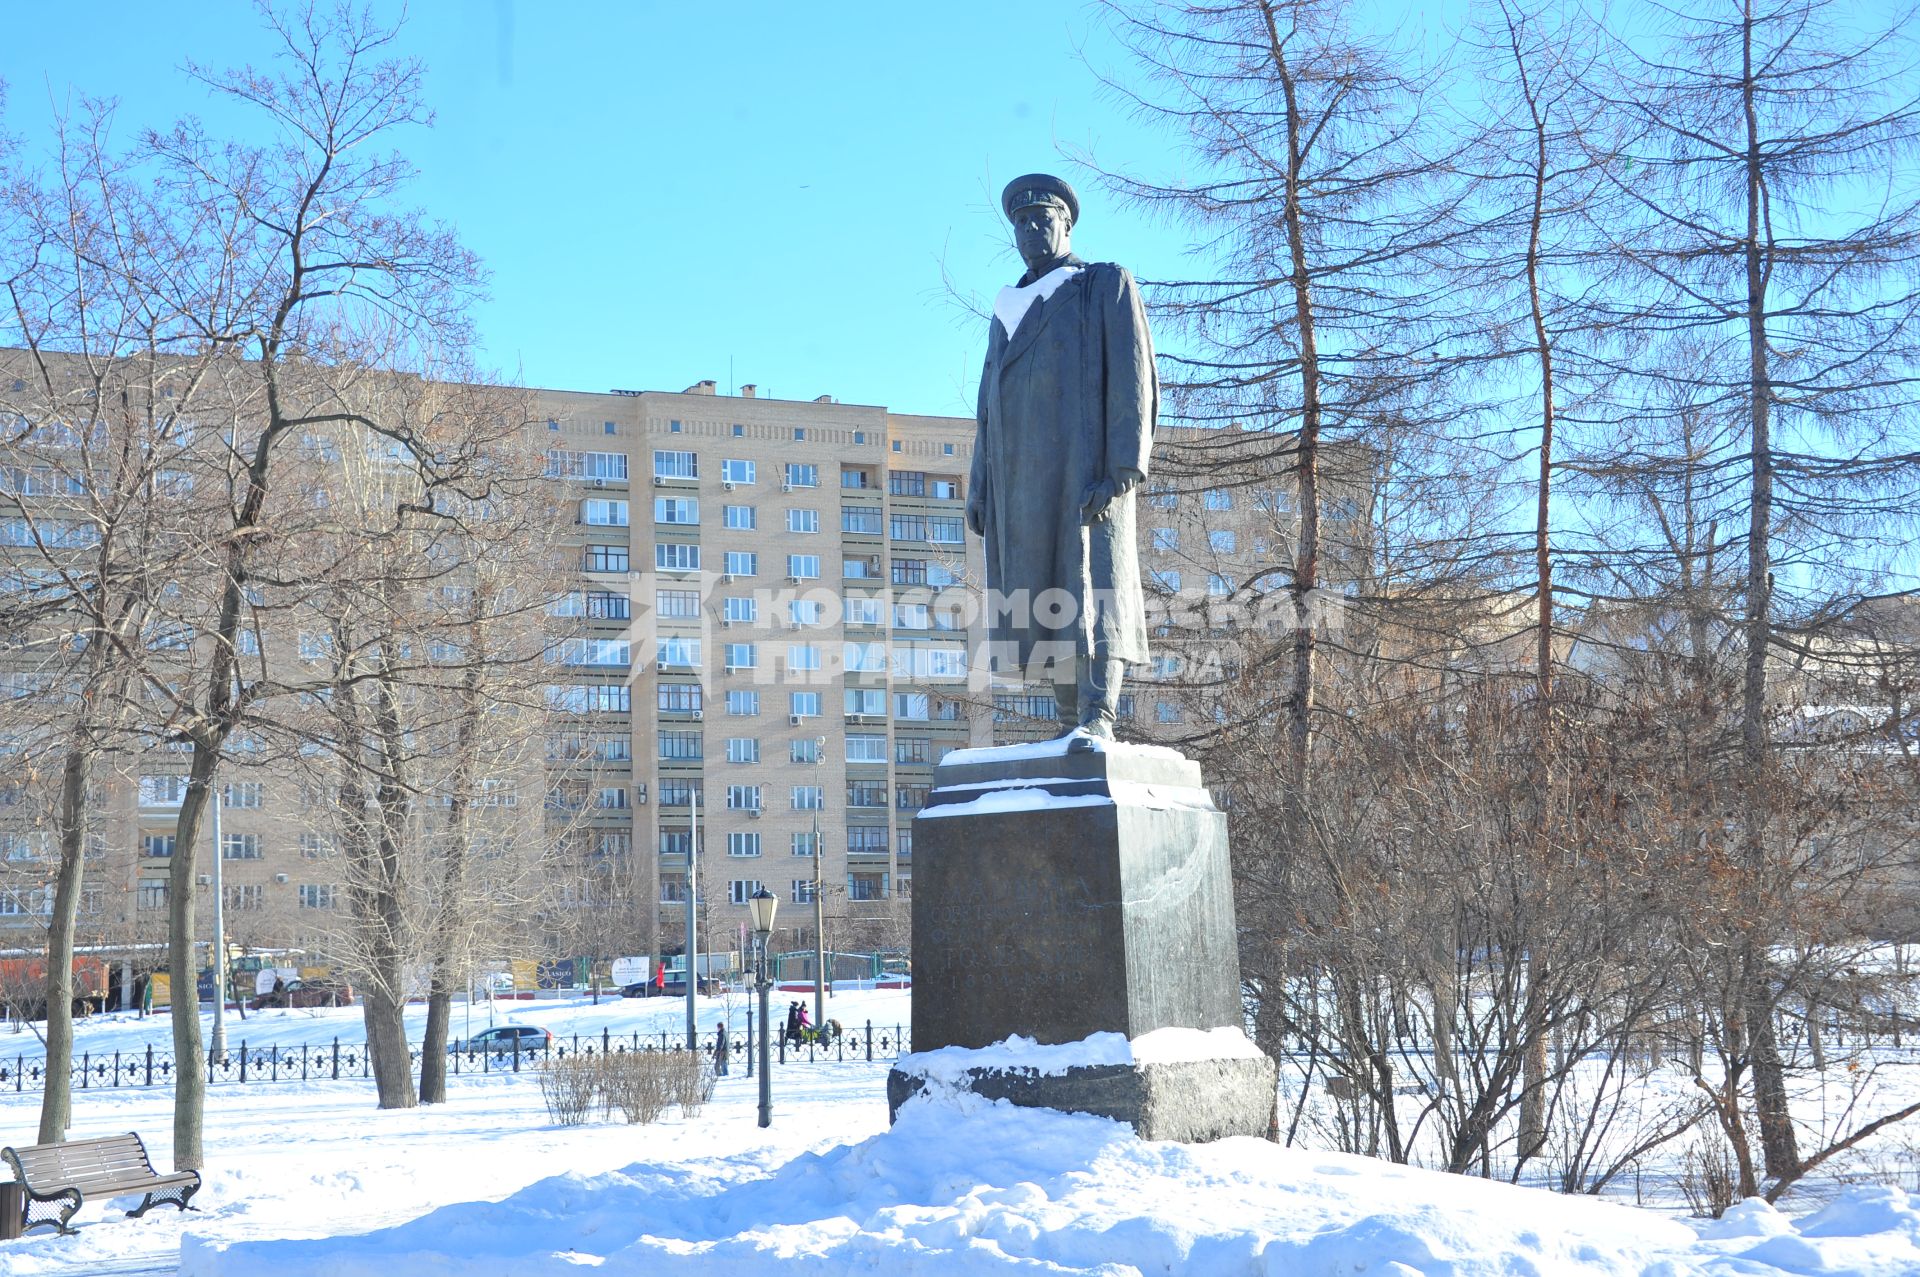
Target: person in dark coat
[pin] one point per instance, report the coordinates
(793, 1022)
(720, 1050)
(1068, 403)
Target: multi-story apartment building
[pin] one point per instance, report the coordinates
(779, 634)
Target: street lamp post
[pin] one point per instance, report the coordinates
(218, 1042)
(760, 907)
(819, 911)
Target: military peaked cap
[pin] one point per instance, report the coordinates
(1038, 188)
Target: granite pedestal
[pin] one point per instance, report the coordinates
(1058, 895)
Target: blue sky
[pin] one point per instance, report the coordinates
(664, 196)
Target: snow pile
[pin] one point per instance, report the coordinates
(951, 1064)
(962, 1186)
(1055, 748)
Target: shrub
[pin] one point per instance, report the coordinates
(572, 1087)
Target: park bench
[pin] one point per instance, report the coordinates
(57, 1179)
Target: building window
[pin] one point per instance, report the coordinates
(911, 706)
(677, 605)
(1166, 540)
(162, 791)
(907, 483)
(743, 704)
(673, 889)
(156, 846)
(315, 846)
(739, 517)
(803, 704)
(1165, 579)
(678, 791)
(564, 464)
(676, 652)
(911, 797)
(739, 431)
(742, 656)
(803, 611)
(863, 609)
(866, 793)
(907, 750)
(742, 611)
(802, 474)
(740, 890)
(243, 795)
(743, 749)
(611, 798)
(605, 558)
(600, 513)
(675, 465)
(803, 567)
(742, 563)
(606, 605)
(1220, 541)
(864, 700)
(866, 886)
(247, 897)
(1166, 712)
(683, 510)
(803, 656)
(809, 798)
(803, 891)
(679, 698)
(867, 839)
(805, 749)
(735, 471)
(1161, 496)
(860, 520)
(910, 572)
(153, 893)
(316, 895)
(743, 844)
(672, 556)
(1219, 586)
(803, 521)
(743, 798)
(864, 748)
(1218, 499)
(239, 846)
(802, 844)
(610, 428)
(680, 746)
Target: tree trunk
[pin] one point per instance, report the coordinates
(189, 1052)
(56, 1102)
(433, 1049)
(1306, 564)
(1777, 1140)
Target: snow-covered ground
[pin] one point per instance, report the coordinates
(305, 1180)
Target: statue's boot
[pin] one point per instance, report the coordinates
(1098, 702)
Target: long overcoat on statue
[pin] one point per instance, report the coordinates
(1069, 399)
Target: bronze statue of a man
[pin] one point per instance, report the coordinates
(1068, 400)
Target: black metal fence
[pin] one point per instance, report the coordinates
(336, 1061)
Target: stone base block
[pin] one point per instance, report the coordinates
(1191, 1101)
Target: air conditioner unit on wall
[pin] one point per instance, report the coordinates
(640, 795)
(727, 484)
(282, 879)
(659, 481)
(794, 719)
(599, 483)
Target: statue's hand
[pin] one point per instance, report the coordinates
(1097, 502)
(977, 517)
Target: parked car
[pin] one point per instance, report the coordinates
(306, 993)
(710, 987)
(502, 1037)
